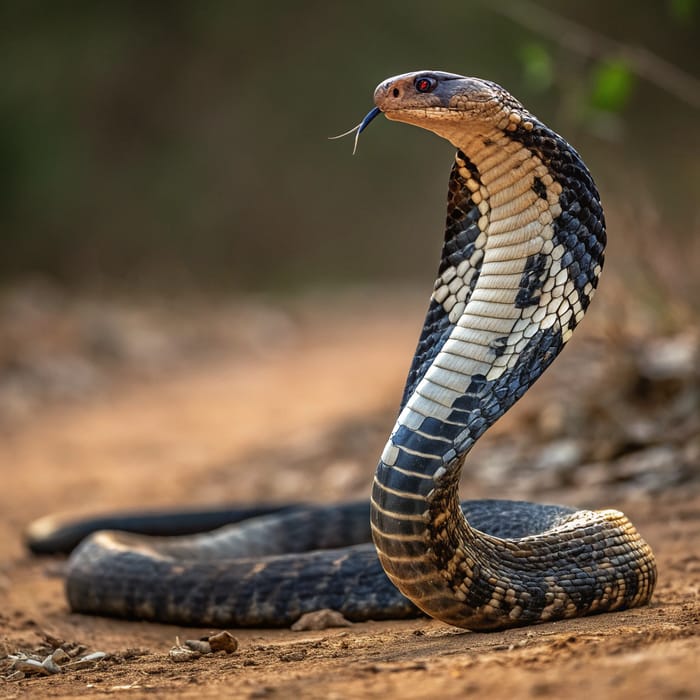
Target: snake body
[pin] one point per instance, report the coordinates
(521, 258)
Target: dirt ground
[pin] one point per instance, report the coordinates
(195, 429)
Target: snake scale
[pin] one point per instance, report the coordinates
(521, 258)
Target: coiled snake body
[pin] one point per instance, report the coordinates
(521, 258)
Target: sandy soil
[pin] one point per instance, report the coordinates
(201, 435)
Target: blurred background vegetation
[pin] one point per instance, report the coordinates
(183, 145)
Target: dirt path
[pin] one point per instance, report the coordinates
(202, 437)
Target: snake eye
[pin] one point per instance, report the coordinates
(425, 84)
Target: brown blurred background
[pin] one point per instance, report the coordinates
(183, 145)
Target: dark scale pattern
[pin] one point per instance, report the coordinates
(486, 401)
(461, 223)
(135, 586)
(472, 413)
(580, 227)
(481, 405)
(436, 330)
(473, 170)
(581, 230)
(405, 437)
(499, 345)
(461, 230)
(534, 276)
(540, 188)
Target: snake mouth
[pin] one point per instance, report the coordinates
(410, 111)
(423, 116)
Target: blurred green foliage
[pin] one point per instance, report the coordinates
(684, 10)
(538, 66)
(185, 142)
(612, 86)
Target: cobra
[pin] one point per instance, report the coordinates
(521, 258)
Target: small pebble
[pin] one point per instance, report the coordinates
(52, 641)
(199, 645)
(31, 666)
(60, 657)
(180, 654)
(223, 641)
(50, 665)
(320, 620)
(76, 650)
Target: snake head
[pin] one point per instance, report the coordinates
(443, 102)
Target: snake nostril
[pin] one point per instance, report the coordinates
(395, 92)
